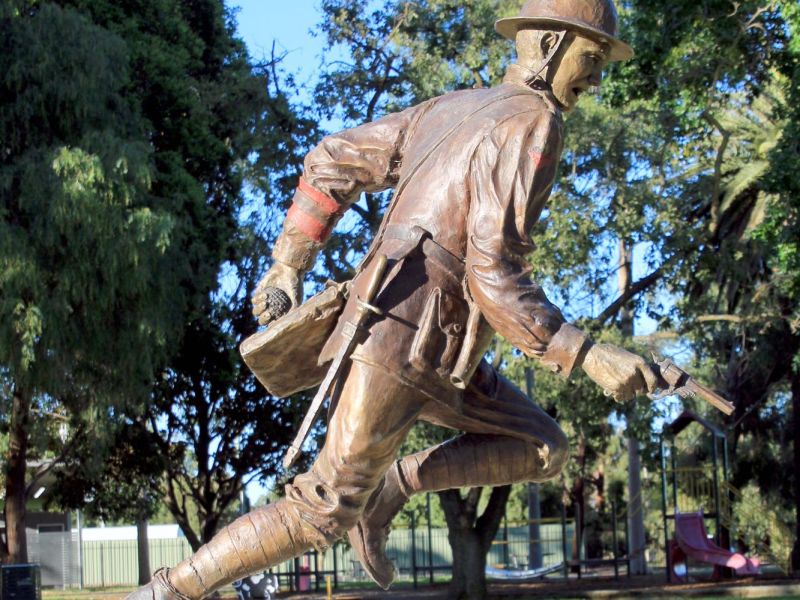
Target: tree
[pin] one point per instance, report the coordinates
(88, 293)
(781, 230)
(214, 120)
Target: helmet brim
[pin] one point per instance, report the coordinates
(619, 50)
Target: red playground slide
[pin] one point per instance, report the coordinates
(692, 539)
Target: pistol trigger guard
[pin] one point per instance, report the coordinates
(658, 395)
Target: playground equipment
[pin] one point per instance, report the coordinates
(691, 540)
(522, 574)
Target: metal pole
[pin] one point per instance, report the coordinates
(663, 458)
(80, 549)
(414, 549)
(627, 545)
(102, 568)
(335, 566)
(614, 538)
(430, 536)
(505, 541)
(564, 539)
(316, 570)
(728, 500)
(674, 460)
(296, 573)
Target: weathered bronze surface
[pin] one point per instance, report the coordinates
(472, 171)
(295, 339)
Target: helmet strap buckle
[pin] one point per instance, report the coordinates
(551, 53)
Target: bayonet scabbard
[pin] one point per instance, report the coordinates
(350, 333)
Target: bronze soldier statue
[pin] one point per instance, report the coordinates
(472, 171)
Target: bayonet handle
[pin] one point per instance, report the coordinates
(376, 279)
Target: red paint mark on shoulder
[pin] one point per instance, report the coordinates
(541, 159)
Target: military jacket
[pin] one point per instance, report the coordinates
(473, 169)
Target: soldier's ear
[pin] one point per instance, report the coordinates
(546, 42)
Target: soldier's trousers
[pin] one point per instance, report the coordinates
(507, 439)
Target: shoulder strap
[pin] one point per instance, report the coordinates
(401, 186)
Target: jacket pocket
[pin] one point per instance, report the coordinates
(440, 333)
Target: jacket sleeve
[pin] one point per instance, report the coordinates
(336, 172)
(511, 175)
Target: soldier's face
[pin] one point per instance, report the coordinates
(579, 68)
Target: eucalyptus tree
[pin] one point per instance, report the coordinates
(89, 300)
(225, 141)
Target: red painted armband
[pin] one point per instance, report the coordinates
(314, 213)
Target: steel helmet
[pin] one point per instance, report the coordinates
(596, 19)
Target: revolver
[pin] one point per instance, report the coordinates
(681, 383)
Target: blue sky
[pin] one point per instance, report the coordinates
(287, 24)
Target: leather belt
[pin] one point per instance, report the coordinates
(422, 238)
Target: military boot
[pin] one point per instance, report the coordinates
(254, 542)
(158, 589)
(368, 537)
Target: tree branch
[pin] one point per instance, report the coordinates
(633, 290)
(489, 521)
(45, 468)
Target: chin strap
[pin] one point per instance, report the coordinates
(535, 78)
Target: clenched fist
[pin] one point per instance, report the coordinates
(620, 373)
(277, 293)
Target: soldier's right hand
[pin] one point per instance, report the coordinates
(280, 290)
(620, 373)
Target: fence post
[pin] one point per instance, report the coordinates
(102, 567)
(627, 545)
(316, 570)
(80, 548)
(564, 539)
(414, 549)
(296, 578)
(335, 567)
(430, 538)
(505, 541)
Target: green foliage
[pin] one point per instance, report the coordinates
(760, 529)
(82, 248)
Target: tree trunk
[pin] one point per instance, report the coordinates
(796, 437)
(637, 541)
(469, 564)
(471, 538)
(577, 494)
(16, 459)
(143, 551)
(534, 527)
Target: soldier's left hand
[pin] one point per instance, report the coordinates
(280, 290)
(620, 373)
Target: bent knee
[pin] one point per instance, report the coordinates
(557, 455)
(330, 509)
